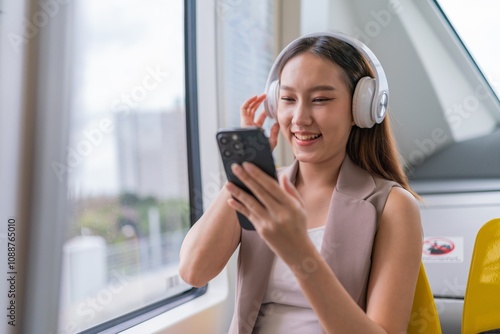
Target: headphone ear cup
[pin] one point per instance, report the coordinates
(362, 102)
(271, 101)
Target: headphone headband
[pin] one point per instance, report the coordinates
(372, 96)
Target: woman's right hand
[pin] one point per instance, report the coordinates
(247, 112)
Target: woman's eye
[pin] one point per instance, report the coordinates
(321, 99)
(287, 99)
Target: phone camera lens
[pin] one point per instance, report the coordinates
(227, 153)
(224, 140)
(237, 146)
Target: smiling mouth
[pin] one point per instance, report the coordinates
(306, 137)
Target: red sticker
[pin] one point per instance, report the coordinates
(437, 246)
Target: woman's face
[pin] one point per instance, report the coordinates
(314, 108)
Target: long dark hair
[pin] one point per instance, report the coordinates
(372, 149)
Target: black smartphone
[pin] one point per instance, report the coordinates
(238, 145)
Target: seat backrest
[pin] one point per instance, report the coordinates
(482, 296)
(424, 318)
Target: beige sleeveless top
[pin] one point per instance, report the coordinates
(355, 208)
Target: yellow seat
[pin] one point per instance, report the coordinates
(424, 318)
(482, 295)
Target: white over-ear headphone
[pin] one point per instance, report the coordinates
(371, 95)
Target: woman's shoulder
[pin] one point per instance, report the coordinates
(397, 195)
(390, 197)
(401, 206)
(400, 199)
(401, 219)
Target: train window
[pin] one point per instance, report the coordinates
(455, 166)
(477, 25)
(127, 163)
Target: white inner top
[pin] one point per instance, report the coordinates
(285, 308)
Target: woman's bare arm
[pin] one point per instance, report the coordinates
(210, 242)
(396, 258)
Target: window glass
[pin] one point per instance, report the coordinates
(246, 44)
(126, 160)
(477, 24)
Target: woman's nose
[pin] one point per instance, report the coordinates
(302, 115)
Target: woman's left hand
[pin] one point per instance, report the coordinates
(248, 118)
(278, 215)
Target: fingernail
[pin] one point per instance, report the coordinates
(248, 166)
(235, 168)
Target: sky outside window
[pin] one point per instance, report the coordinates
(477, 24)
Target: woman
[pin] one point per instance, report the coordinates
(337, 245)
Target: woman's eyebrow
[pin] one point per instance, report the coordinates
(312, 89)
